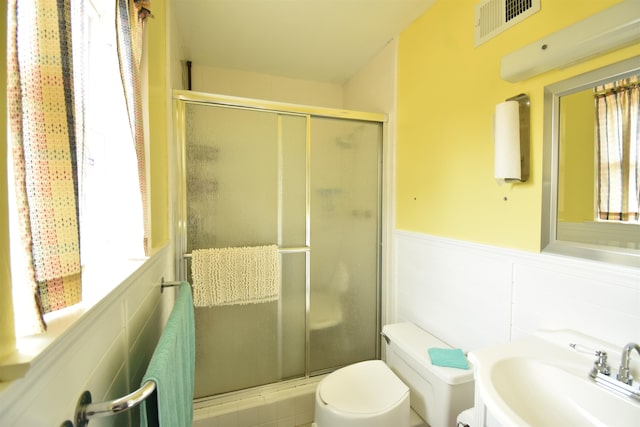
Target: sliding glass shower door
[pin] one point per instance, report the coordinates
(345, 223)
(311, 185)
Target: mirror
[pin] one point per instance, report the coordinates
(582, 214)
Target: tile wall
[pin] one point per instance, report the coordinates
(473, 296)
(281, 406)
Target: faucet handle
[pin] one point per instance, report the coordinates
(583, 349)
(600, 365)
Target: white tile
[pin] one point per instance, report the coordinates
(222, 408)
(477, 295)
(228, 420)
(248, 416)
(267, 412)
(206, 422)
(454, 291)
(305, 403)
(249, 402)
(304, 417)
(286, 422)
(596, 303)
(285, 408)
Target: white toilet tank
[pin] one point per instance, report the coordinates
(438, 394)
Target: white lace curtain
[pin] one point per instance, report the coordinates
(618, 142)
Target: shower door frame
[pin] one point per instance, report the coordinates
(183, 97)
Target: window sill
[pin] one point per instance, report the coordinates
(31, 349)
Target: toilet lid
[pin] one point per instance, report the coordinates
(362, 388)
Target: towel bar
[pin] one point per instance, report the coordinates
(165, 284)
(280, 250)
(86, 410)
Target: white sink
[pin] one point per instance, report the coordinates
(541, 381)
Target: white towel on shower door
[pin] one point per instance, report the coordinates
(238, 275)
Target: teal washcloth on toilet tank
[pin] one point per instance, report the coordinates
(448, 357)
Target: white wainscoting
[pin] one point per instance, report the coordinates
(473, 296)
(106, 352)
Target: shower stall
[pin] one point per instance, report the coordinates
(308, 180)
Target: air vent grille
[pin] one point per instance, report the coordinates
(514, 8)
(494, 16)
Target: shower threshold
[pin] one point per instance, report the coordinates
(290, 402)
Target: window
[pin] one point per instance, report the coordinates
(110, 209)
(618, 146)
(109, 202)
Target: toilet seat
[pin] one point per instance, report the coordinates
(362, 388)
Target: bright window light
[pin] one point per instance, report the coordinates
(111, 218)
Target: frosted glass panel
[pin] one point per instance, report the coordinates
(345, 171)
(293, 314)
(293, 131)
(232, 179)
(244, 346)
(245, 175)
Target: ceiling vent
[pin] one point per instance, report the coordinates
(494, 16)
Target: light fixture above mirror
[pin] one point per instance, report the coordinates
(613, 28)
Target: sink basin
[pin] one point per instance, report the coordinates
(543, 394)
(539, 382)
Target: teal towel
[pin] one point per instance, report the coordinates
(449, 357)
(172, 368)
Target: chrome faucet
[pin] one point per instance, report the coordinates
(623, 373)
(600, 373)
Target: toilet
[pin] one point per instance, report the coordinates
(365, 394)
(375, 394)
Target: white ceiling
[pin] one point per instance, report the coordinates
(320, 40)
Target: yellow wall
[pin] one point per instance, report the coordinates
(576, 183)
(7, 339)
(447, 92)
(159, 166)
